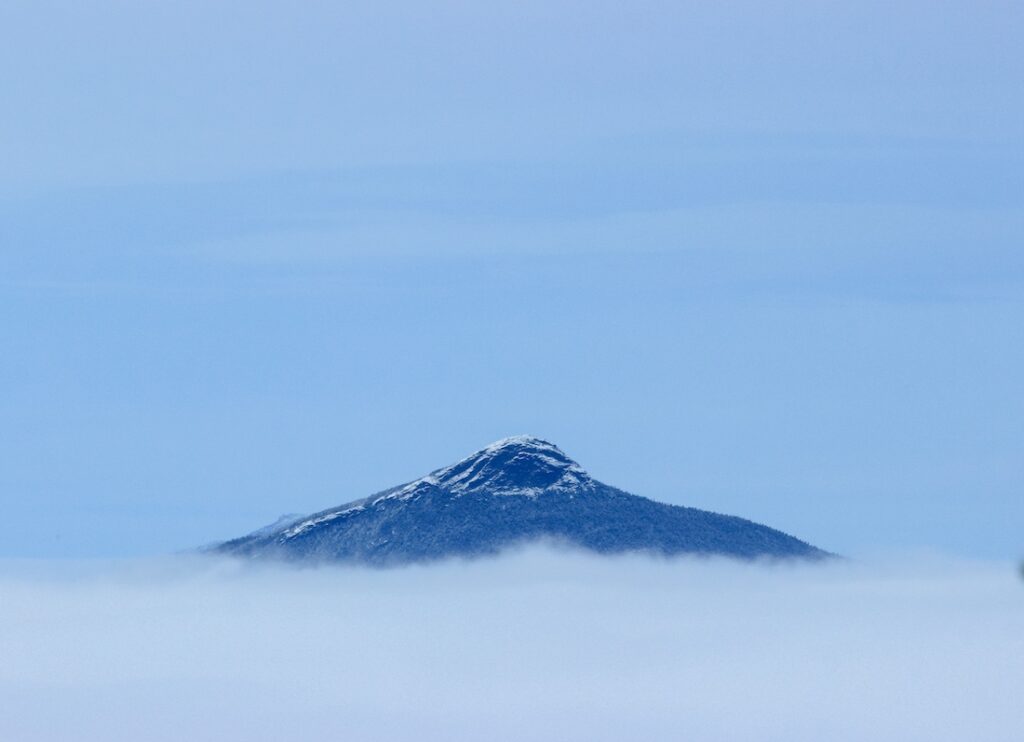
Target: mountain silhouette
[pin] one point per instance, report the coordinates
(514, 491)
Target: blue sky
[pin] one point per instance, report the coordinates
(258, 258)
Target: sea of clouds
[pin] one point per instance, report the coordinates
(537, 645)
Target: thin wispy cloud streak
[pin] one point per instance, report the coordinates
(537, 645)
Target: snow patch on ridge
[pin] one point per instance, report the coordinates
(519, 466)
(305, 525)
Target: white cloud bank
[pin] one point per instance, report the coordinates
(536, 646)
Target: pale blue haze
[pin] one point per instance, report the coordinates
(762, 259)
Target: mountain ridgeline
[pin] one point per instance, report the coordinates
(515, 491)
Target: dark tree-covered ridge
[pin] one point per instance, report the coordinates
(514, 491)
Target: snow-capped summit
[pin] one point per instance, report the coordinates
(520, 465)
(514, 490)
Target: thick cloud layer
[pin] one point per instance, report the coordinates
(538, 645)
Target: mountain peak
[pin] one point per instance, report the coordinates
(522, 464)
(515, 490)
(522, 441)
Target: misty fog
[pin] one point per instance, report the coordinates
(535, 645)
